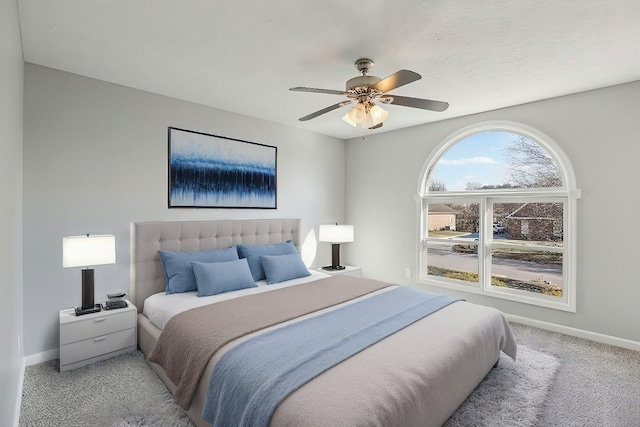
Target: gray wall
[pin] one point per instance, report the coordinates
(95, 159)
(11, 84)
(598, 130)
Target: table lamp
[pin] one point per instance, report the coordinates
(335, 234)
(87, 251)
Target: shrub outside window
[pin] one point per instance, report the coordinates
(497, 214)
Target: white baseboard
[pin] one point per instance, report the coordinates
(32, 359)
(16, 414)
(580, 333)
(45, 356)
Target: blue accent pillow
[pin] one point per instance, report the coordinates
(279, 268)
(252, 254)
(218, 277)
(178, 272)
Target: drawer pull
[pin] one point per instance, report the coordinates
(96, 339)
(102, 319)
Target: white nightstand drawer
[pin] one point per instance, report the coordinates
(97, 324)
(96, 346)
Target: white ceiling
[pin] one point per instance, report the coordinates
(244, 55)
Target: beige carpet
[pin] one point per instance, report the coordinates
(513, 394)
(125, 392)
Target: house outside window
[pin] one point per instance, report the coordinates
(497, 212)
(442, 217)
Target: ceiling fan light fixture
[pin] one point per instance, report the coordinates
(366, 115)
(347, 119)
(378, 115)
(358, 113)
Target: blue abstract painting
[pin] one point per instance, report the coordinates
(209, 171)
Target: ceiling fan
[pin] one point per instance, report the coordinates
(365, 89)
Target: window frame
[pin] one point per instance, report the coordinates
(568, 194)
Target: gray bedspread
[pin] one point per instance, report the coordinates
(189, 339)
(243, 393)
(415, 377)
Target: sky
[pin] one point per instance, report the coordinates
(478, 158)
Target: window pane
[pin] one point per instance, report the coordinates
(452, 250)
(528, 270)
(529, 223)
(494, 160)
(453, 260)
(447, 220)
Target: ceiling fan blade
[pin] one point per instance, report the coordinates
(378, 126)
(324, 110)
(425, 104)
(396, 80)
(315, 90)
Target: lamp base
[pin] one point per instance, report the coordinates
(87, 289)
(333, 267)
(80, 311)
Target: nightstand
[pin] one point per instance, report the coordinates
(91, 337)
(349, 270)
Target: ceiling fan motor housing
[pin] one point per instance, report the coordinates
(361, 82)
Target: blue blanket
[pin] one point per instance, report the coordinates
(251, 379)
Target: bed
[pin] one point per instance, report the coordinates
(418, 375)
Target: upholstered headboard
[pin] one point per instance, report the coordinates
(147, 277)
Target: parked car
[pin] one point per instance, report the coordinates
(498, 229)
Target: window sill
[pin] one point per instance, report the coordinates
(508, 294)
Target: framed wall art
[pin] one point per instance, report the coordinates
(211, 171)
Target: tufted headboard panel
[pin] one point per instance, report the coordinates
(147, 238)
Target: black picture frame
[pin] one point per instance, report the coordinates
(212, 171)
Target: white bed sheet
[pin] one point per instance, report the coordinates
(160, 307)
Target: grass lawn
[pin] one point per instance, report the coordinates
(530, 286)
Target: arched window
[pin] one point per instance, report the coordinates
(497, 216)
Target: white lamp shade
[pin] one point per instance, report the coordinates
(358, 113)
(336, 233)
(347, 119)
(366, 117)
(377, 115)
(87, 251)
